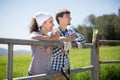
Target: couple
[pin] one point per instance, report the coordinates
(47, 59)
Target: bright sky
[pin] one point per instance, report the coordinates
(15, 15)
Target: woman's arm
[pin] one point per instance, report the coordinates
(69, 39)
(41, 37)
(37, 36)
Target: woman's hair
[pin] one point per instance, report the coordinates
(60, 13)
(33, 25)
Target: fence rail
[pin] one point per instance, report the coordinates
(109, 61)
(94, 67)
(109, 41)
(50, 76)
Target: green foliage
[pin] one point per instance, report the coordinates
(85, 31)
(108, 26)
(81, 76)
(110, 72)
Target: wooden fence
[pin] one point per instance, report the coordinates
(94, 67)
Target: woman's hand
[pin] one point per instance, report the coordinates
(69, 39)
(55, 35)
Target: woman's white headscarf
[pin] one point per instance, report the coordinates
(41, 17)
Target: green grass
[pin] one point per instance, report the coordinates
(20, 64)
(81, 58)
(3, 67)
(78, 58)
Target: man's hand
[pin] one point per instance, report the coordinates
(71, 37)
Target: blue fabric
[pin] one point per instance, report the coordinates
(59, 58)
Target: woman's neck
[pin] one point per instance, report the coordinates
(44, 31)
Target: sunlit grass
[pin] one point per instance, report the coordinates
(78, 58)
(20, 64)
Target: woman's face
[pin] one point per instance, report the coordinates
(48, 24)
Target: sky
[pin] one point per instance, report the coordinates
(15, 15)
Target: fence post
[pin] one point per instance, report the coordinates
(95, 61)
(10, 61)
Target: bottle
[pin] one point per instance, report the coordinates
(94, 36)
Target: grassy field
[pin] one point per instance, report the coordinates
(78, 58)
(81, 58)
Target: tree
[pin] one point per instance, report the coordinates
(108, 26)
(85, 31)
(119, 12)
(90, 20)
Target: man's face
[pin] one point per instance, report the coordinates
(66, 19)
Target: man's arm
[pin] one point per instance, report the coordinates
(79, 38)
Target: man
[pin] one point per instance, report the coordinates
(60, 58)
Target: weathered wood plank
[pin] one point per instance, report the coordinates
(56, 74)
(109, 61)
(38, 42)
(109, 41)
(30, 42)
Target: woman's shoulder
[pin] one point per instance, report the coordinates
(35, 34)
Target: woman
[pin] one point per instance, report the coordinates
(41, 24)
